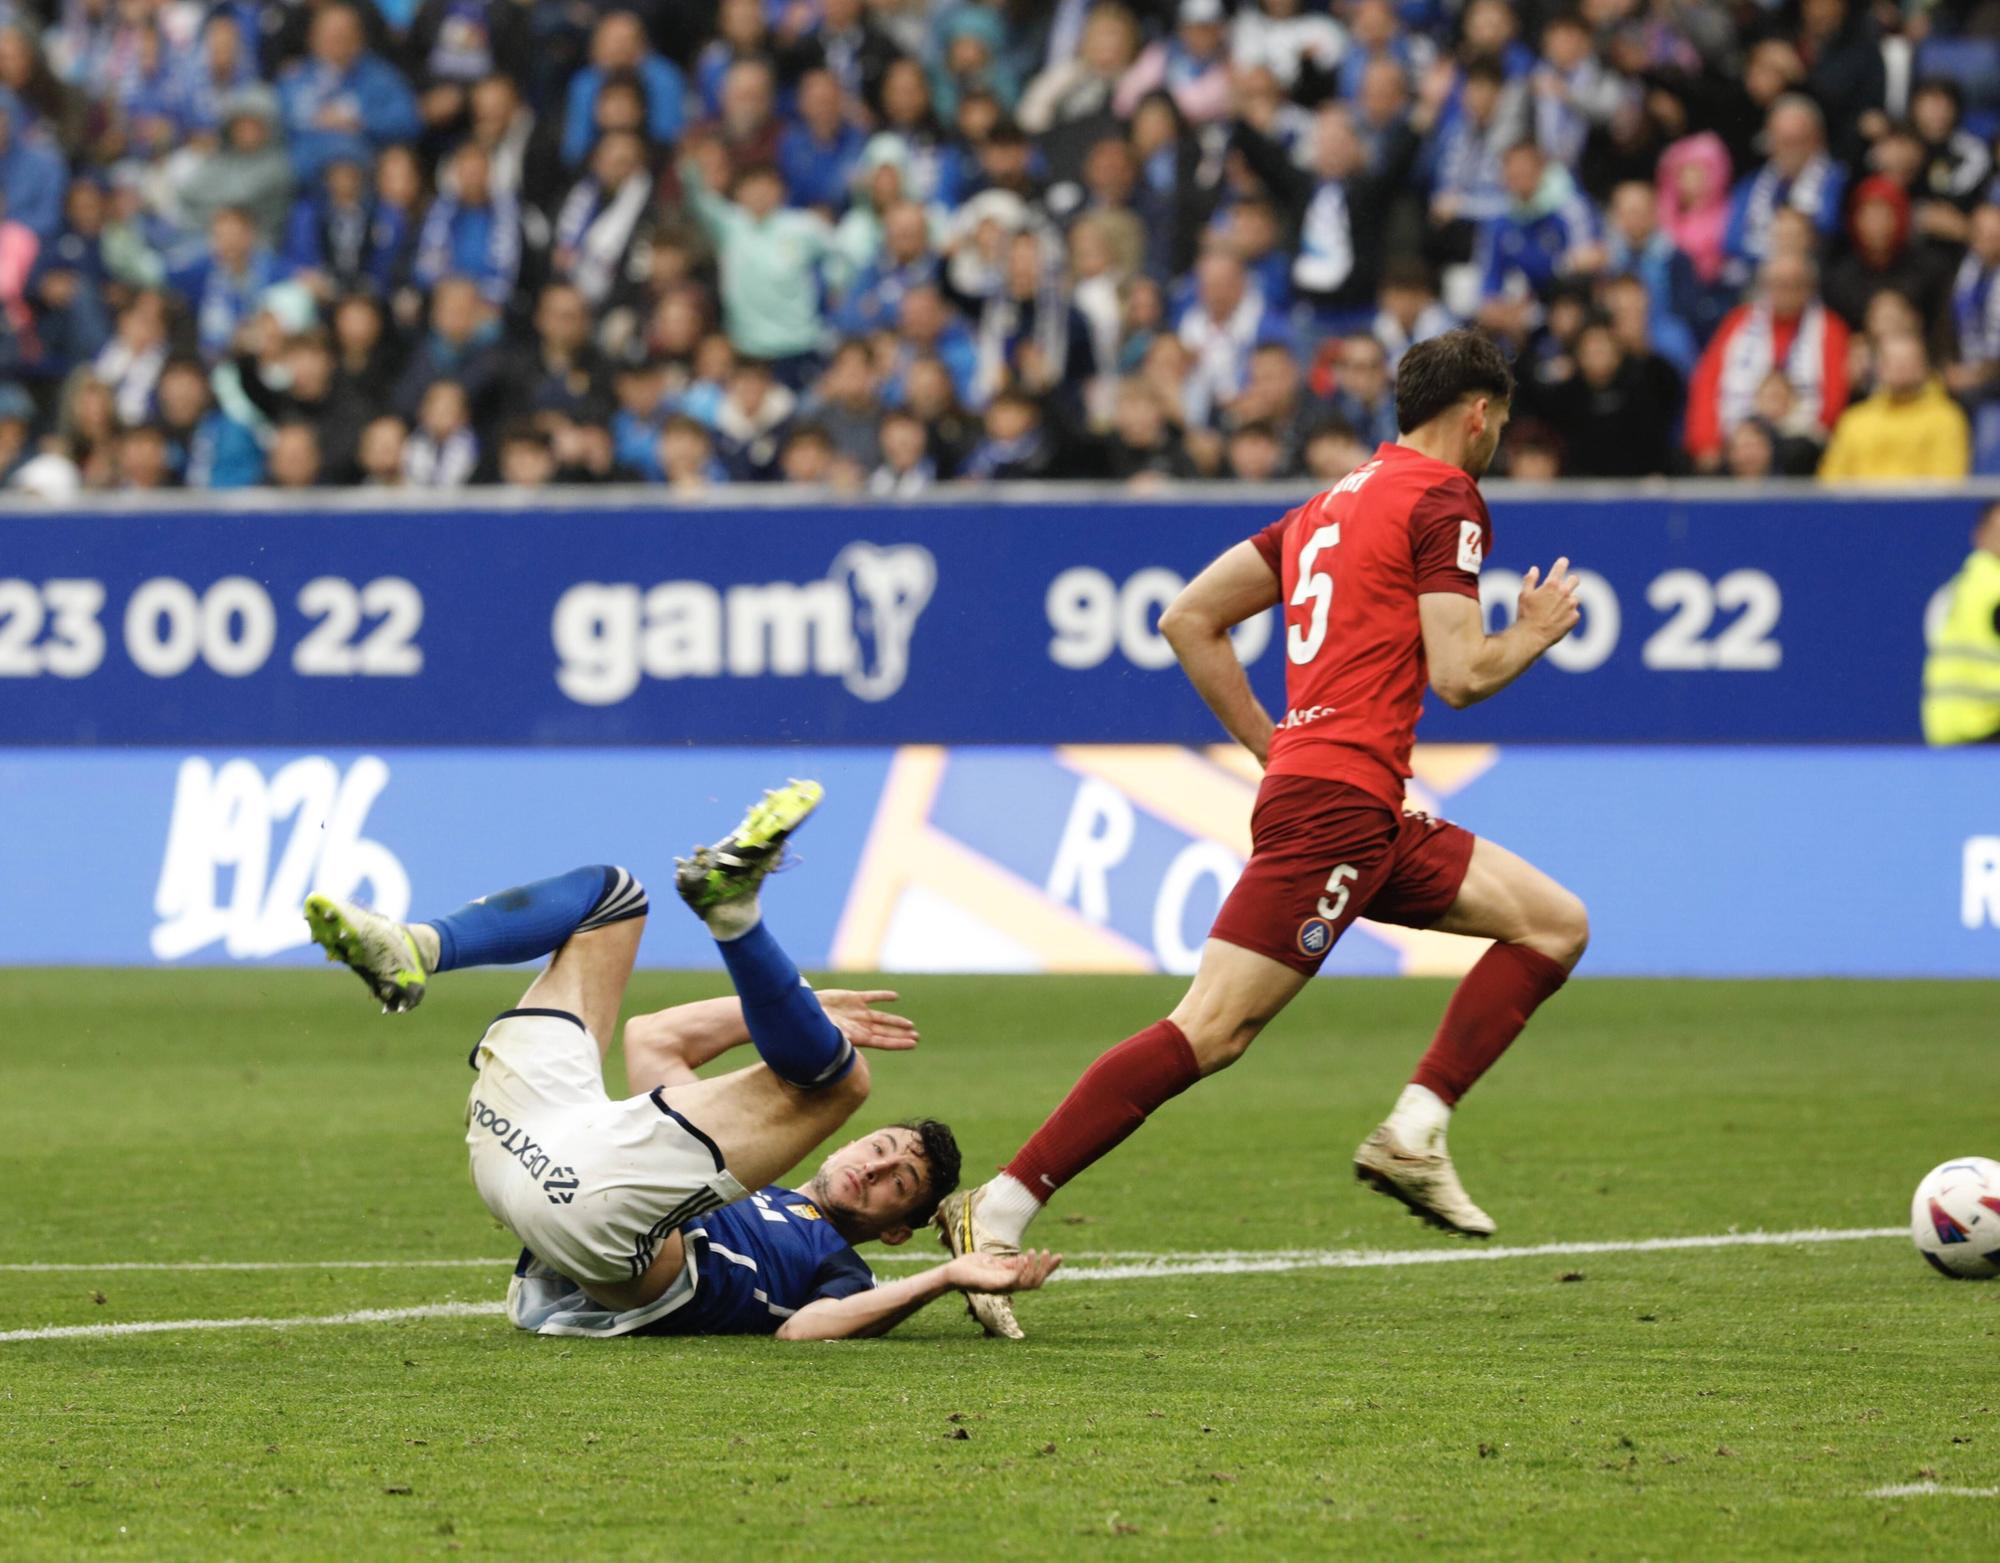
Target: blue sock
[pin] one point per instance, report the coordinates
(790, 1030)
(527, 922)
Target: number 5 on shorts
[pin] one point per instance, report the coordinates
(1334, 902)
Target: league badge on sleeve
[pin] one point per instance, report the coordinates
(1315, 936)
(1471, 546)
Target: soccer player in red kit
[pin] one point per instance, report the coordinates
(1379, 582)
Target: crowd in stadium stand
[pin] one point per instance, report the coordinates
(878, 245)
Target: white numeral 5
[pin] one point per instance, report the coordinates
(1302, 642)
(1334, 902)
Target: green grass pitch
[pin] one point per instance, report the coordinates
(1716, 1403)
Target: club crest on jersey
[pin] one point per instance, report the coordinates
(1315, 936)
(1471, 546)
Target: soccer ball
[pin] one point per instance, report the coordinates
(1955, 1218)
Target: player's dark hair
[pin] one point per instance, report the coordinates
(1435, 376)
(941, 1164)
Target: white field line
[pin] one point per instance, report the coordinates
(164, 1326)
(1149, 1267)
(1111, 1264)
(1931, 1490)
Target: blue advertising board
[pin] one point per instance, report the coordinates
(1709, 861)
(1761, 618)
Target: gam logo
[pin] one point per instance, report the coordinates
(855, 624)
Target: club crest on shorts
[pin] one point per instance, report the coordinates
(1315, 936)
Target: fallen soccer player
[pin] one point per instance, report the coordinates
(656, 1214)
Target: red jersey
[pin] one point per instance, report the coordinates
(1353, 562)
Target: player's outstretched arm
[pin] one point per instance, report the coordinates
(879, 1311)
(669, 1045)
(1466, 664)
(1197, 623)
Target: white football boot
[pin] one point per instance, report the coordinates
(1425, 1181)
(957, 1221)
(379, 950)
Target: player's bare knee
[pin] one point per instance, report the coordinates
(852, 1088)
(1562, 928)
(1218, 1046)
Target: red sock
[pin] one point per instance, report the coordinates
(1492, 1004)
(1112, 1099)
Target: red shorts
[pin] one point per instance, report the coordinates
(1324, 853)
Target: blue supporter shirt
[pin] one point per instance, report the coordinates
(757, 1262)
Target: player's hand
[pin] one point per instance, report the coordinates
(1002, 1273)
(1548, 608)
(863, 1024)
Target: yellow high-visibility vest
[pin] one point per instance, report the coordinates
(1962, 672)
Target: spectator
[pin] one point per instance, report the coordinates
(294, 460)
(211, 73)
(1574, 94)
(1609, 413)
(311, 393)
(1255, 454)
(1882, 256)
(930, 393)
(1191, 66)
(688, 462)
(846, 405)
(1340, 209)
(1142, 448)
(1015, 445)
(523, 157)
(1547, 229)
(1363, 397)
(817, 153)
(143, 461)
(33, 178)
(907, 467)
(129, 366)
(605, 223)
(1288, 40)
(17, 421)
(1956, 163)
(750, 424)
(341, 99)
(1798, 175)
(250, 172)
(1333, 450)
(442, 451)
(767, 255)
(462, 345)
(527, 460)
(1694, 202)
(223, 287)
(563, 373)
(810, 459)
(905, 261)
(1635, 245)
(472, 232)
(1408, 311)
(1975, 311)
(1909, 429)
(1225, 324)
(1078, 88)
(618, 46)
(1462, 161)
(453, 45)
(381, 452)
(1784, 328)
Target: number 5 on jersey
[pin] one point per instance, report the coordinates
(1315, 589)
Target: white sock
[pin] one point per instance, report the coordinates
(1006, 1207)
(1420, 1118)
(425, 937)
(733, 919)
